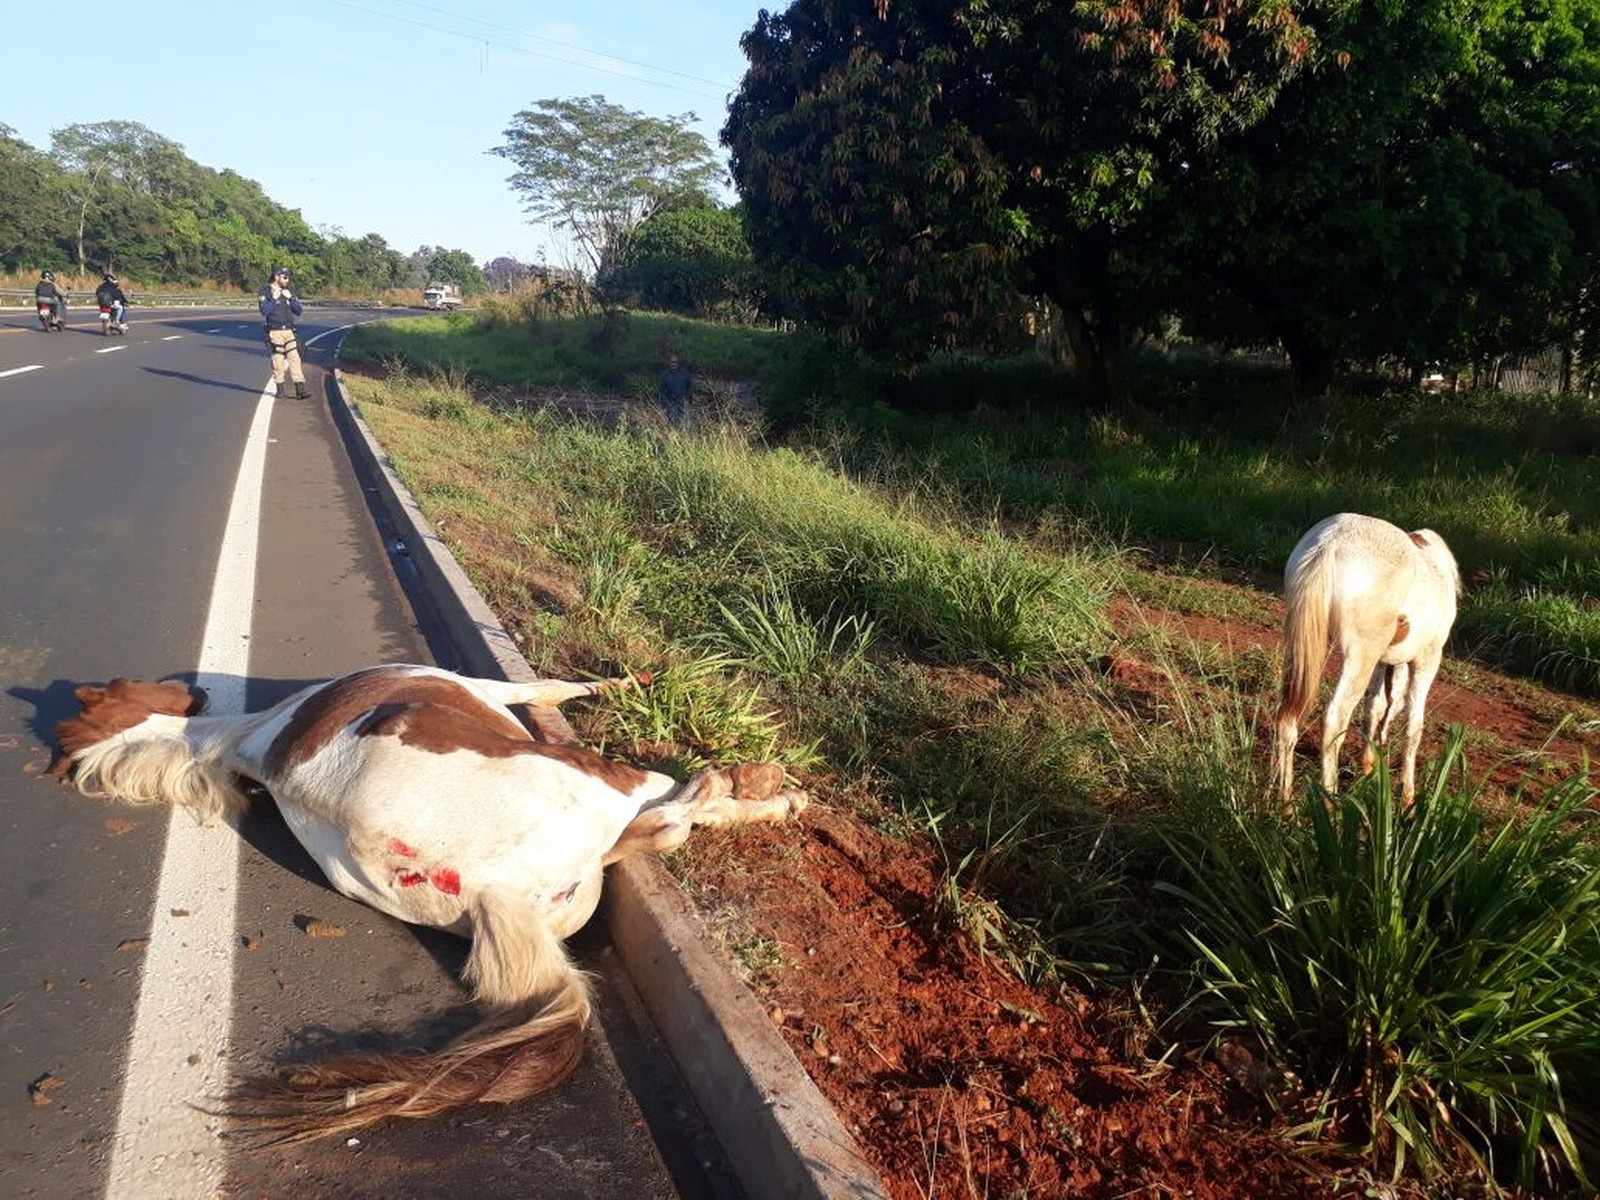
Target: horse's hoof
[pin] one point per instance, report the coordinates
(755, 781)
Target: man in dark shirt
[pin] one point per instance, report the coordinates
(46, 289)
(279, 308)
(110, 295)
(676, 385)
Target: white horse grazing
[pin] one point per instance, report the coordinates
(418, 792)
(1389, 599)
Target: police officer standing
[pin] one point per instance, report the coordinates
(279, 308)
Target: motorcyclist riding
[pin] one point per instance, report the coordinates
(109, 295)
(46, 289)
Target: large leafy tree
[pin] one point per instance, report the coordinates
(1434, 198)
(30, 192)
(694, 260)
(911, 168)
(599, 171)
(123, 163)
(457, 267)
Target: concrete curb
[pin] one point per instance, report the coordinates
(778, 1130)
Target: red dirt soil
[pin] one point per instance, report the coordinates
(958, 1080)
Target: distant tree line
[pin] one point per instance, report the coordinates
(1357, 182)
(116, 196)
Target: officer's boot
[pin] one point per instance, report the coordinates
(301, 391)
(285, 390)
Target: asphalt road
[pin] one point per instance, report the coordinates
(118, 462)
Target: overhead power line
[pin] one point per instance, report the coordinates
(513, 49)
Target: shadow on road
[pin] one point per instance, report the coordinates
(188, 378)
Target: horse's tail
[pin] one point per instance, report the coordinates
(1308, 608)
(531, 1040)
(131, 742)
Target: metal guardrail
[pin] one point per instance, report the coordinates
(23, 298)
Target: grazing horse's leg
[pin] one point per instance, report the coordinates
(1376, 706)
(1422, 673)
(722, 796)
(1386, 696)
(1361, 656)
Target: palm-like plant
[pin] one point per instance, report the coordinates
(1432, 978)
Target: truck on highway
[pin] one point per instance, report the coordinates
(441, 295)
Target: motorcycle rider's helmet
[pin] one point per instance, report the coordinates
(48, 276)
(280, 272)
(110, 278)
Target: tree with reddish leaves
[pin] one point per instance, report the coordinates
(914, 170)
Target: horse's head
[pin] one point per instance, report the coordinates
(120, 705)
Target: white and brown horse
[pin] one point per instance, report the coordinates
(419, 793)
(1388, 599)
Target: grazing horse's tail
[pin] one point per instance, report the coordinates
(531, 1040)
(133, 741)
(1308, 608)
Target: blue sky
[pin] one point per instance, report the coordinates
(371, 116)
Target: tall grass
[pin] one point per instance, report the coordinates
(505, 345)
(1505, 480)
(919, 623)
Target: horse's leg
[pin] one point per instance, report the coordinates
(1374, 710)
(1386, 696)
(545, 693)
(1422, 673)
(1399, 700)
(1283, 743)
(722, 796)
(1360, 662)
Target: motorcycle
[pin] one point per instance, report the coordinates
(51, 317)
(111, 321)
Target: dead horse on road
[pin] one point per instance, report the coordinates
(419, 793)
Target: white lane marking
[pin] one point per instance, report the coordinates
(177, 1058)
(172, 337)
(108, 350)
(22, 370)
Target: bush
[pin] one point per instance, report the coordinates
(1429, 978)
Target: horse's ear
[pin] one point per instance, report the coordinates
(169, 697)
(89, 694)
